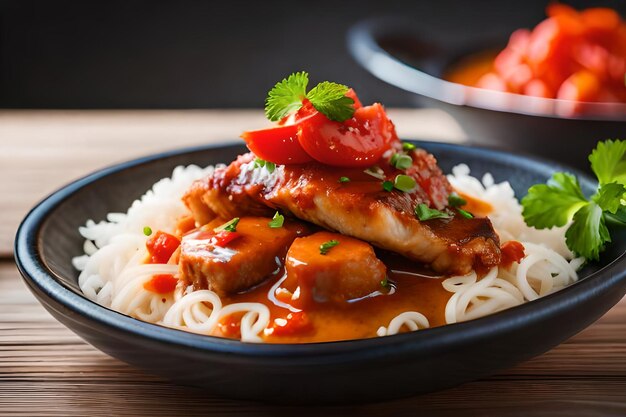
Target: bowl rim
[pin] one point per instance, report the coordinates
(38, 275)
(362, 41)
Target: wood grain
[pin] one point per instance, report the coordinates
(47, 370)
(41, 151)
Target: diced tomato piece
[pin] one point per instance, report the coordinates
(580, 86)
(560, 9)
(161, 246)
(519, 41)
(537, 88)
(352, 94)
(512, 251)
(600, 21)
(161, 284)
(492, 81)
(223, 238)
(291, 325)
(278, 144)
(357, 142)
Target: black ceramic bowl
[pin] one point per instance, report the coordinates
(352, 371)
(394, 50)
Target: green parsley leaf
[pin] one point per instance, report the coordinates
(608, 161)
(147, 231)
(423, 212)
(404, 183)
(455, 200)
(465, 213)
(554, 203)
(229, 226)
(401, 161)
(330, 100)
(609, 197)
(344, 179)
(408, 146)
(387, 186)
(588, 233)
(561, 200)
(326, 246)
(277, 221)
(286, 96)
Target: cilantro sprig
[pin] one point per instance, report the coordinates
(561, 201)
(328, 98)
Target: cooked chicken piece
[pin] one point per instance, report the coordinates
(254, 254)
(347, 271)
(359, 208)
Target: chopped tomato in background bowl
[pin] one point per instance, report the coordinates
(554, 88)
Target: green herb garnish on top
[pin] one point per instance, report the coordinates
(277, 221)
(327, 97)
(326, 246)
(561, 200)
(229, 226)
(423, 213)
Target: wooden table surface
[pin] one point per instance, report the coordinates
(47, 370)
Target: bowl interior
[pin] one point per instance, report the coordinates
(113, 190)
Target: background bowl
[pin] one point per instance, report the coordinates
(394, 50)
(351, 371)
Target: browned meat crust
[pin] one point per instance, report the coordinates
(359, 208)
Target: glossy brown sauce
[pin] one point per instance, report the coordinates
(415, 289)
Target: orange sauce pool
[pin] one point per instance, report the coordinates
(415, 290)
(470, 69)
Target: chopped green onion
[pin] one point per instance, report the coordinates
(147, 231)
(260, 163)
(229, 226)
(454, 200)
(407, 146)
(423, 212)
(384, 283)
(387, 185)
(326, 246)
(277, 221)
(404, 183)
(465, 214)
(401, 161)
(375, 172)
(344, 179)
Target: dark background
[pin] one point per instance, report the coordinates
(202, 54)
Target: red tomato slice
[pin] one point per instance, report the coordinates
(357, 142)
(277, 144)
(223, 238)
(161, 246)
